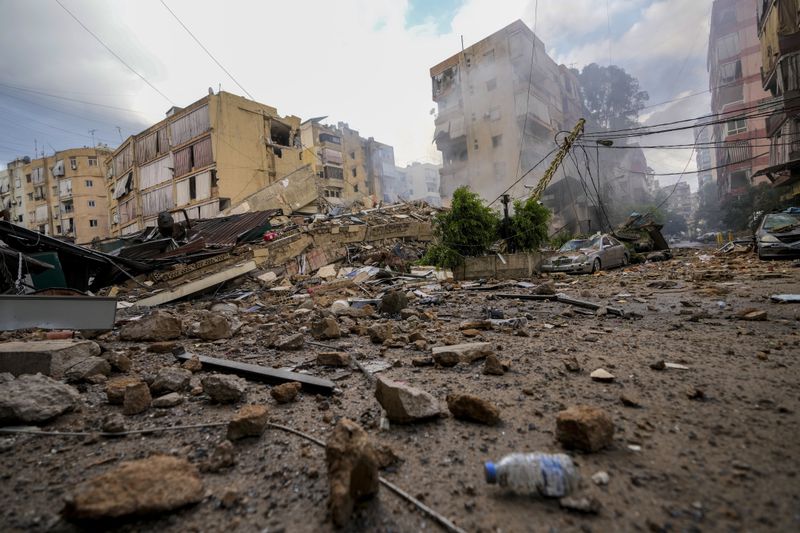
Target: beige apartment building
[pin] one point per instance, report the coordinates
(201, 160)
(62, 195)
(490, 104)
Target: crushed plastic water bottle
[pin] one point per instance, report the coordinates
(551, 475)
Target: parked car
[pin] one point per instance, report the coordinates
(588, 255)
(778, 235)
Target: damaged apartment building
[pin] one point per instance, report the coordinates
(62, 195)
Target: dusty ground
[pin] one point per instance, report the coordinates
(728, 462)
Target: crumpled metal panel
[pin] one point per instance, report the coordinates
(228, 231)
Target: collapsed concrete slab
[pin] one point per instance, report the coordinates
(49, 357)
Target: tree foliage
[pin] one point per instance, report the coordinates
(528, 225)
(612, 97)
(737, 212)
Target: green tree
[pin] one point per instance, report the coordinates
(469, 228)
(612, 97)
(528, 225)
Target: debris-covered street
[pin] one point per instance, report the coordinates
(701, 395)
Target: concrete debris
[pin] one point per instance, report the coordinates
(49, 357)
(157, 326)
(224, 388)
(114, 423)
(171, 379)
(290, 342)
(602, 375)
(168, 400)
(137, 399)
(581, 504)
(286, 392)
(379, 333)
(403, 403)
(86, 368)
(154, 485)
(601, 478)
(585, 428)
(249, 421)
(222, 456)
(473, 409)
(325, 329)
(214, 326)
(352, 469)
(493, 366)
(466, 353)
(34, 398)
(333, 359)
(393, 302)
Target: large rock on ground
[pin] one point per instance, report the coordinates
(467, 353)
(86, 368)
(137, 399)
(333, 359)
(404, 404)
(285, 392)
(249, 421)
(171, 379)
(50, 357)
(583, 427)
(153, 485)
(34, 398)
(224, 388)
(157, 326)
(115, 388)
(379, 332)
(213, 327)
(290, 342)
(473, 408)
(325, 328)
(393, 302)
(352, 469)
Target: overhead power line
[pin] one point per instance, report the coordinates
(99, 40)
(51, 95)
(206, 50)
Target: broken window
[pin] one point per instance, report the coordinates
(444, 81)
(328, 138)
(353, 172)
(727, 46)
(58, 168)
(738, 125)
(280, 133)
(333, 173)
(730, 72)
(352, 155)
(497, 140)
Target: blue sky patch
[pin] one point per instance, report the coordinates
(438, 12)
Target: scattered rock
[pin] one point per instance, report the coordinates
(393, 302)
(333, 359)
(659, 365)
(230, 497)
(473, 408)
(467, 325)
(224, 388)
(446, 359)
(157, 484)
(403, 403)
(114, 423)
(422, 361)
(222, 456)
(581, 505)
(325, 328)
(48, 357)
(629, 400)
(34, 398)
(572, 364)
(157, 326)
(285, 392)
(171, 379)
(248, 421)
(168, 400)
(755, 315)
(379, 333)
(493, 366)
(137, 399)
(162, 347)
(115, 388)
(600, 478)
(193, 365)
(352, 469)
(213, 327)
(546, 288)
(602, 375)
(290, 342)
(467, 353)
(386, 456)
(585, 428)
(696, 394)
(91, 366)
(119, 362)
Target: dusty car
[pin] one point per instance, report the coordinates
(587, 255)
(778, 236)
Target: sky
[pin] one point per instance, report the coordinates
(364, 62)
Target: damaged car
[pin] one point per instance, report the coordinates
(583, 256)
(778, 236)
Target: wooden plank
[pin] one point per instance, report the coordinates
(197, 285)
(263, 373)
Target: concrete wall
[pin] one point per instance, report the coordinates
(516, 266)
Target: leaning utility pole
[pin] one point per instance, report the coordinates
(562, 153)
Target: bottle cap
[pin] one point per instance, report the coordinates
(490, 471)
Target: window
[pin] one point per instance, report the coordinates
(92, 223)
(354, 172)
(89, 183)
(91, 203)
(730, 72)
(727, 46)
(17, 183)
(352, 155)
(28, 178)
(491, 85)
(30, 196)
(738, 125)
(19, 218)
(327, 137)
(192, 188)
(475, 144)
(606, 241)
(494, 113)
(58, 229)
(497, 140)
(355, 188)
(73, 163)
(92, 161)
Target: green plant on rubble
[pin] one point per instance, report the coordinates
(528, 225)
(469, 228)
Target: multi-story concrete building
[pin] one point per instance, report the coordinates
(702, 140)
(201, 159)
(734, 67)
(6, 196)
(61, 195)
(382, 168)
(423, 182)
(680, 201)
(779, 34)
(500, 102)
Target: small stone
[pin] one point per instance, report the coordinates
(602, 375)
(756, 315)
(546, 288)
(403, 403)
(115, 388)
(379, 333)
(393, 302)
(696, 394)
(629, 400)
(137, 399)
(33, 398)
(352, 469)
(472, 325)
(467, 353)
(446, 359)
(168, 400)
(600, 478)
(114, 423)
(584, 428)
(325, 328)
(214, 326)
(157, 326)
(333, 359)
(471, 333)
(230, 497)
(659, 365)
(581, 505)
(416, 336)
(157, 484)
(222, 456)
(286, 392)
(290, 342)
(492, 366)
(422, 361)
(473, 408)
(171, 379)
(572, 364)
(91, 366)
(224, 388)
(120, 362)
(248, 421)
(193, 365)
(162, 347)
